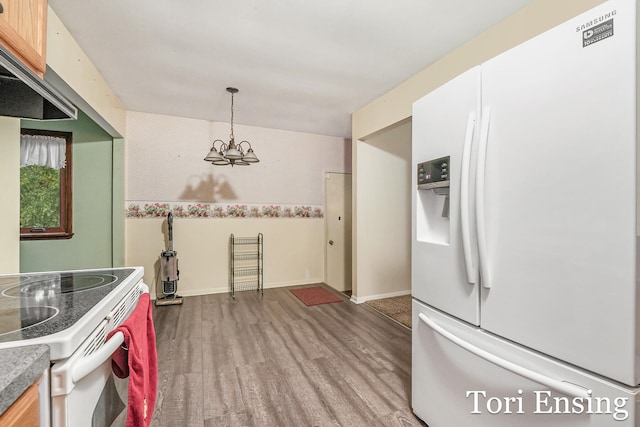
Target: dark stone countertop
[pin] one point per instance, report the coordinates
(21, 367)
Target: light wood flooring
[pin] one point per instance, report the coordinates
(272, 361)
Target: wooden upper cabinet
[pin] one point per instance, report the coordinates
(23, 30)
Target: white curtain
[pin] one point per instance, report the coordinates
(43, 150)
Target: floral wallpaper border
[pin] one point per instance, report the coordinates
(217, 210)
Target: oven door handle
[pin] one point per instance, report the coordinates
(91, 362)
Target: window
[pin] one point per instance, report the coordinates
(45, 185)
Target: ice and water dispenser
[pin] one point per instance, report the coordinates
(433, 201)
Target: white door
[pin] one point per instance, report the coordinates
(443, 274)
(338, 244)
(561, 195)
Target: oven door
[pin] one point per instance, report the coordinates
(84, 391)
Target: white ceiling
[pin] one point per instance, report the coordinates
(300, 65)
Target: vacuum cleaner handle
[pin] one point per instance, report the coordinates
(170, 224)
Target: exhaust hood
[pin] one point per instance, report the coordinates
(25, 95)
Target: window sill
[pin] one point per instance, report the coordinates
(45, 236)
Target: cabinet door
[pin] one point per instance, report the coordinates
(24, 412)
(23, 31)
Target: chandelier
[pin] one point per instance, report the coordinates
(232, 153)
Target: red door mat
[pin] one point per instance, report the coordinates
(315, 295)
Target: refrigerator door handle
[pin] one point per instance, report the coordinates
(560, 386)
(472, 271)
(480, 198)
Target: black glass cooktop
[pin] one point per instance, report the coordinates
(40, 304)
(53, 284)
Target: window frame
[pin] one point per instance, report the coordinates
(65, 231)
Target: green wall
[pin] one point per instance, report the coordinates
(97, 198)
(118, 203)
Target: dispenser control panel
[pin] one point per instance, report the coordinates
(434, 173)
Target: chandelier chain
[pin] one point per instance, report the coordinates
(232, 115)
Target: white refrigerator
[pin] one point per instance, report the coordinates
(525, 248)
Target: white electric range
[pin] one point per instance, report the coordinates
(72, 312)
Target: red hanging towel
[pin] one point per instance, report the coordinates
(138, 359)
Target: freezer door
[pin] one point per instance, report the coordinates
(503, 385)
(444, 257)
(560, 194)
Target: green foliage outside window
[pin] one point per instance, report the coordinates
(39, 197)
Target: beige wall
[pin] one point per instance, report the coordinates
(384, 217)
(164, 165)
(10, 212)
(74, 75)
(293, 250)
(394, 108)
(169, 150)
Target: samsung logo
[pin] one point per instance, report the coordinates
(596, 21)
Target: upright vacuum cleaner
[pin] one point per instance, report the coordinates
(169, 273)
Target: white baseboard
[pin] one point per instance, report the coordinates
(360, 300)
